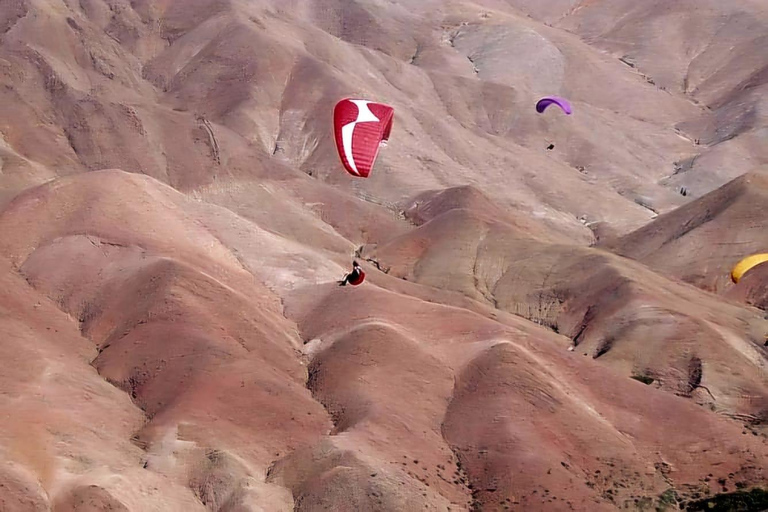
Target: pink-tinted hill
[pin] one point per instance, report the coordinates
(172, 335)
(610, 308)
(198, 344)
(529, 424)
(701, 242)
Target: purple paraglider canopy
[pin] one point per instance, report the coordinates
(543, 103)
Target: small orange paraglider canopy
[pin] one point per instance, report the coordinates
(747, 264)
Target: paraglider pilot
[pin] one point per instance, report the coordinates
(355, 277)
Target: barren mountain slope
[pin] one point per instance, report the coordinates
(683, 340)
(202, 91)
(174, 218)
(714, 52)
(64, 427)
(701, 242)
(207, 354)
(179, 324)
(534, 427)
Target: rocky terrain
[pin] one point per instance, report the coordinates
(539, 329)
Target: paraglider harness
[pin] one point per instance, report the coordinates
(355, 277)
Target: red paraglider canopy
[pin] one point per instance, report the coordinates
(360, 127)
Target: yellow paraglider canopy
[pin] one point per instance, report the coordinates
(746, 264)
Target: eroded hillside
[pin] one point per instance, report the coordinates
(539, 329)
